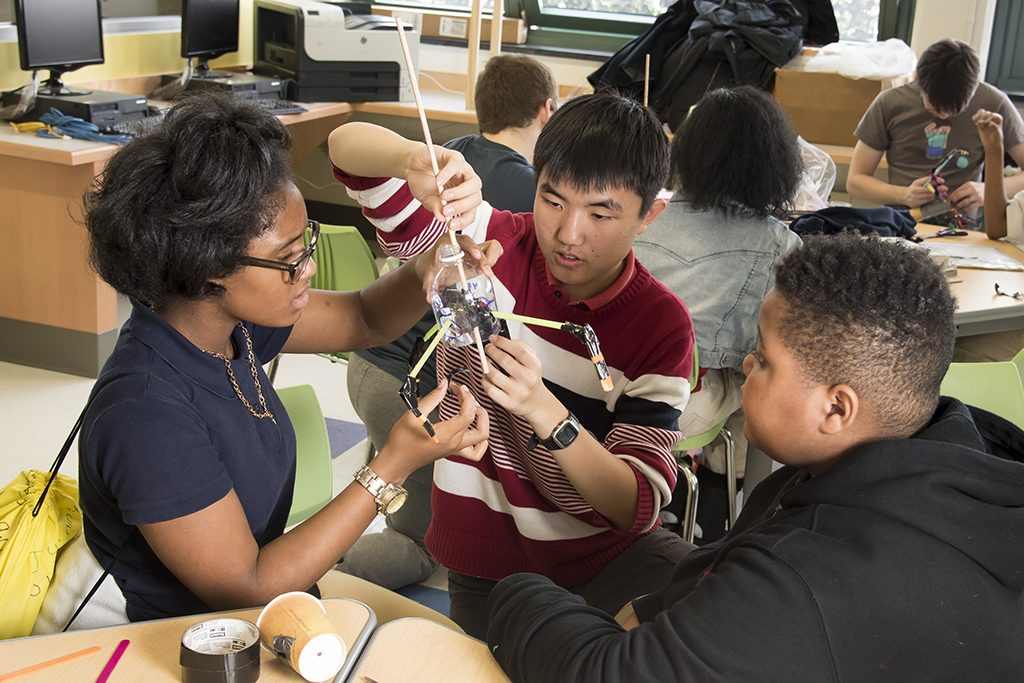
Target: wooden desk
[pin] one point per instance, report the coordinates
(438, 104)
(55, 312)
(979, 309)
(153, 653)
(842, 155)
(424, 651)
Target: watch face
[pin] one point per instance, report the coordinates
(395, 504)
(566, 434)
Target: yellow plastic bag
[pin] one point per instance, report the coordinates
(29, 545)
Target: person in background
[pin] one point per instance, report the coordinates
(186, 453)
(915, 125)
(716, 247)
(884, 550)
(515, 97)
(1003, 217)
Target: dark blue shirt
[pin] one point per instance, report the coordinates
(509, 184)
(166, 436)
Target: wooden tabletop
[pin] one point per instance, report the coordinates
(438, 104)
(152, 655)
(424, 651)
(77, 152)
(979, 308)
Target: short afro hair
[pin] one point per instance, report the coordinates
(874, 314)
(179, 206)
(603, 141)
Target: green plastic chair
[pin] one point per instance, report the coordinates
(1018, 360)
(700, 441)
(995, 387)
(313, 475)
(344, 263)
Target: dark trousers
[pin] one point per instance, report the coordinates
(642, 568)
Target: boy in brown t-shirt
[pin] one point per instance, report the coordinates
(915, 125)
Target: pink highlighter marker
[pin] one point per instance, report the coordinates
(112, 662)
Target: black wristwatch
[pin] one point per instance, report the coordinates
(562, 436)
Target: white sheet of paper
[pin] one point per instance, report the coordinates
(970, 256)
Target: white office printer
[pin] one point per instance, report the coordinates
(331, 55)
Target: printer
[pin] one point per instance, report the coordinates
(329, 55)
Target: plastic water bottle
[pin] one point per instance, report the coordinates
(466, 308)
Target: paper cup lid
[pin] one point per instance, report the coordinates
(322, 657)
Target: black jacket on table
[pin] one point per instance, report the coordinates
(904, 562)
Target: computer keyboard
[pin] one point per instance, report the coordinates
(135, 127)
(280, 107)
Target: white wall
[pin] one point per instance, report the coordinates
(967, 20)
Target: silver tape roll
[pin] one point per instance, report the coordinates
(220, 651)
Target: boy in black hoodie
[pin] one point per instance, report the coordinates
(890, 547)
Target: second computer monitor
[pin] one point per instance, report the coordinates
(59, 35)
(209, 28)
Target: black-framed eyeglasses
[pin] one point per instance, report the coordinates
(296, 268)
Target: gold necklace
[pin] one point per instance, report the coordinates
(264, 413)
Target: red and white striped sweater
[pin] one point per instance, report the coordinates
(515, 511)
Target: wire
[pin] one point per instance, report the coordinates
(61, 126)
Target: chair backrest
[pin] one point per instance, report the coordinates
(995, 387)
(344, 260)
(312, 452)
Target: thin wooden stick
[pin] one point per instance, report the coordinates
(414, 79)
(41, 666)
(647, 76)
(497, 21)
(474, 54)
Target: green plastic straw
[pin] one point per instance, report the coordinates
(430, 348)
(540, 322)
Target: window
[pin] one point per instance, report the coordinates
(857, 19)
(644, 8)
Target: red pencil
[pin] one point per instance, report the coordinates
(112, 662)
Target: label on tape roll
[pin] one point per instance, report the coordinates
(220, 651)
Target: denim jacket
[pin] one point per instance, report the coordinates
(721, 264)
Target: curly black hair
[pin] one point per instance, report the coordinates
(874, 314)
(737, 149)
(603, 141)
(179, 206)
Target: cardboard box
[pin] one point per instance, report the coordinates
(825, 108)
(455, 25)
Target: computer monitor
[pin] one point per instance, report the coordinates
(59, 35)
(209, 28)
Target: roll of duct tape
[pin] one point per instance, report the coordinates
(220, 651)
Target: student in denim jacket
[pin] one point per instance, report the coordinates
(735, 164)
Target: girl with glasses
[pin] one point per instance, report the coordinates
(187, 456)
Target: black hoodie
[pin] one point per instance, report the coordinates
(904, 561)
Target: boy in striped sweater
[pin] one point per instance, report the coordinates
(575, 476)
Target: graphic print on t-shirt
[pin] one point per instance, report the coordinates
(937, 137)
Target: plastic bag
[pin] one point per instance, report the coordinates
(29, 545)
(886, 59)
(817, 179)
